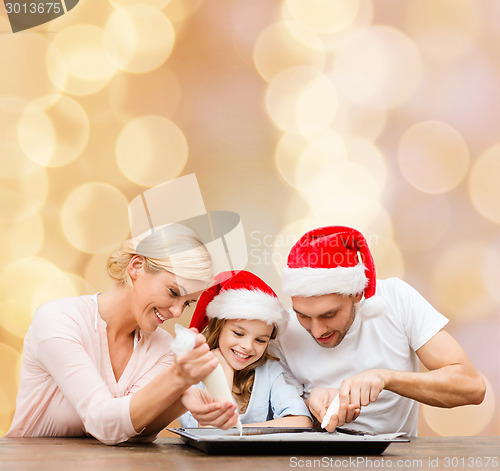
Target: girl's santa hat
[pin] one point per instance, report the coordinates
(238, 295)
(334, 259)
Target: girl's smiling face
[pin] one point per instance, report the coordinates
(242, 341)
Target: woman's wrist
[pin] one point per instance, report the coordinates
(177, 380)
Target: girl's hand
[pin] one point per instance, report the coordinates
(228, 370)
(197, 364)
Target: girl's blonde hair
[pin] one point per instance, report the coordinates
(174, 248)
(243, 379)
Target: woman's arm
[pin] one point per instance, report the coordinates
(158, 403)
(116, 419)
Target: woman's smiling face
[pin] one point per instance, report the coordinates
(242, 341)
(157, 297)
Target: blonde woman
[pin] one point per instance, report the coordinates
(98, 365)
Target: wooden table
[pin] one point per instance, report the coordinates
(169, 454)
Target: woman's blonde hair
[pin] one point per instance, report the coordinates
(174, 248)
(243, 379)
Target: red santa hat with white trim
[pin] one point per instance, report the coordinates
(333, 259)
(239, 295)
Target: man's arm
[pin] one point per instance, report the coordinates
(452, 380)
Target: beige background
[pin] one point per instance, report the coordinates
(380, 114)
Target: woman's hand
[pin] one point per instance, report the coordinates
(197, 364)
(207, 412)
(228, 369)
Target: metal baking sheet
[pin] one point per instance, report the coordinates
(286, 441)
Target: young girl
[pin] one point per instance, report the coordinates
(241, 314)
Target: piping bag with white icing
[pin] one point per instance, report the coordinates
(333, 408)
(215, 382)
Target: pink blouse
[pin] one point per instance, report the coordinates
(68, 388)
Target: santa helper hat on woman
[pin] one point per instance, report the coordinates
(333, 259)
(238, 295)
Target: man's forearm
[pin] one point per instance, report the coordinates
(449, 386)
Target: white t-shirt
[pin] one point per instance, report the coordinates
(386, 340)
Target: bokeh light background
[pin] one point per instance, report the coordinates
(383, 115)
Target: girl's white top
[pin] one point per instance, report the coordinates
(215, 382)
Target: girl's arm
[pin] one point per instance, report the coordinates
(287, 421)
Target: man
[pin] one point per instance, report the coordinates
(352, 334)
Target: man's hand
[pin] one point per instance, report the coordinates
(207, 412)
(320, 399)
(195, 365)
(361, 389)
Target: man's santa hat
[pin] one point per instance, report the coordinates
(334, 259)
(238, 295)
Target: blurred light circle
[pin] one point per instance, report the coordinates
(462, 421)
(342, 192)
(153, 3)
(344, 209)
(180, 10)
(14, 163)
(317, 105)
(248, 19)
(416, 214)
(18, 282)
(442, 36)
(151, 150)
(484, 188)
(369, 156)
(22, 238)
(336, 179)
(365, 107)
(22, 57)
(387, 257)
(96, 274)
(433, 157)
(385, 57)
(301, 100)
(94, 217)
(458, 281)
(277, 49)
(133, 95)
(363, 19)
(288, 153)
(59, 285)
(138, 38)
(22, 197)
(323, 16)
(318, 150)
(79, 67)
(53, 130)
(380, 225)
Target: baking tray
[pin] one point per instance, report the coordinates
(286, 441)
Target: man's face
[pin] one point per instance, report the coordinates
(327, 318)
